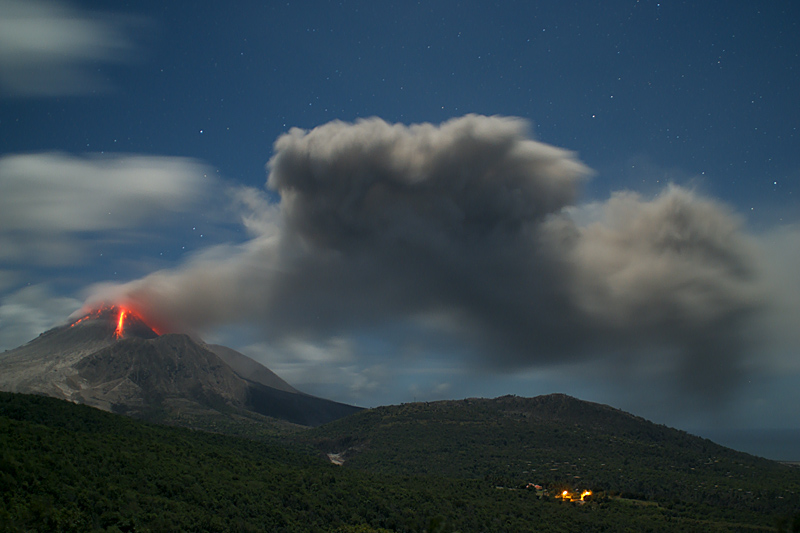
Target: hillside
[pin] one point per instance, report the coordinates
(67, 467)
(557, 441)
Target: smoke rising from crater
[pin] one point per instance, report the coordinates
(465, 230)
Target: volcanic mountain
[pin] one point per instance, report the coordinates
(112, 359)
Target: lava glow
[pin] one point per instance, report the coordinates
(93, 314)
(118, 317)
(120, 324)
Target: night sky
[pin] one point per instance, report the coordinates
(420, 237)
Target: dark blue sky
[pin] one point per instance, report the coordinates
(647, 93)
(703, 87)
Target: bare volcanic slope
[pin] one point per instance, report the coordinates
(250, 369)
(111, 359)
(46, 365)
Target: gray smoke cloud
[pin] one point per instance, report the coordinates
(468, 228)
(674, 277)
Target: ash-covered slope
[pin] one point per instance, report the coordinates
(46, 365)
(249, 369)
(111, 359)
(143, 373)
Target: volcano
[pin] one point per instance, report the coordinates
(112, 359)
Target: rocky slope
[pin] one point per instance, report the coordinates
(111, 359)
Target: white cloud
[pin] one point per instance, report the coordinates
(48, 200)
(30, 311)
(50, 48)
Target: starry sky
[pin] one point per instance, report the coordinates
(423, 200)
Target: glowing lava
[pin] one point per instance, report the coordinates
(90, 316)
(120, 324)
(123, 320)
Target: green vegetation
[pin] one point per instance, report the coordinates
(66, 467)
(563, 443)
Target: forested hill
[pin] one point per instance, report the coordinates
(67, 467)
(555, 440)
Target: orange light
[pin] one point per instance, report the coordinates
(586, 493)
(120, 324)
(123, 314)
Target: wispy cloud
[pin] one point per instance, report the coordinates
(50, 48)
(26, 313)
(49, 201)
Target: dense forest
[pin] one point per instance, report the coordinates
(66, 467)
(556, 440)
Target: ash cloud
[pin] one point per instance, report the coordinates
(466, 230)
(674, 276)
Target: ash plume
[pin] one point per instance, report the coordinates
(466, 230)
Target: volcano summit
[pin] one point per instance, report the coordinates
(112, 359)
